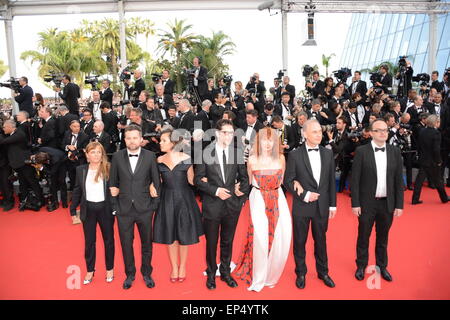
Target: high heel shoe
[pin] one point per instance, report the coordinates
(173, 280)
(90, 280)
(181, 279)
(110, 279)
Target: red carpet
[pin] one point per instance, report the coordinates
(36, 249)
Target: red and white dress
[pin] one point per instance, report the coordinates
(268, 241)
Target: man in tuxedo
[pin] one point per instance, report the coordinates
(87, 123)
(416, 109)
(323, 115)
(285, 133)
(167, 83)
(312, 166)
(186, 115)
(48, 136)
(136, 119)
(162, 99)
(17, 152)
(203, 115)
(133, 171)
(70, 94)
(200, 78)
(276, 91)
(259, 88)
(25, 96)
(252, 126)
(289, 88)
(101, 136)
(139, 84)
(218, 108)
(6, 186)
(172, 118)
(24, 125)
(94, 105)
(429, 150)
(222, 178)
(74, 143)
(435, 83)
(106, 94)
(152, 115)
(377, 196)
(284, 109)
(266, 117)
(437, 106)
(358, 85)
(317, 86)
(110, 121)
(297, 128)
(63, 121)
(386, 79)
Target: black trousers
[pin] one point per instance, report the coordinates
(126, 232)
(96, 213)
(408, 158)
(319, 228)
(27, 180)
(346, 165)
(433, 174)
(6, 187)
(226, 227)
(378, 215)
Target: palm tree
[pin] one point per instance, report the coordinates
(176, 41)
(212, 50)
(326, 62)
(3, 68)
(59, 53)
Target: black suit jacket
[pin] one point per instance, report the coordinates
(361, 88)
(213, 207)
(88, 128)
(169, 87)
(63, 123)
(48, 135)
(25, 100)
(202, 81)
(82, 142)
(26, 128)
(17, 148)
(439, 86)
(299, 168)
(203, 116)
(187, 121)
(429, 147)
(289, 137)
(105, 140)
(70, 95)
(139, 85)
(386, 83)
(110, 120)
(291, 89)
(79, 193)
(134, 187)
(364, 178)
(166, 101)
(318, 89)
(107, 95)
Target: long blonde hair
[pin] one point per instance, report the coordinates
(103, 169)
(267, 133)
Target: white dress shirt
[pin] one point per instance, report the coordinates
(248, 133)
(381, 166)
(133, 160)
(97, 112)
(219, 152)
(94, 190)
(316, 167)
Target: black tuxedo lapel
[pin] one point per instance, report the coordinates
(308, 164)
(139, 162)
(390, 160)
(322, 166)
(217, 165)
(127, 161)
(373, 163)
(84, 181)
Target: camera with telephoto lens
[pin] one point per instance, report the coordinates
(355, 134)
(12, 83)
(342, 74)
(156, 77)
(55, 77)
(307, 70)
(125, 74)
(227, 80)
(280, 75)
(423, 78)
(375, 77)
(92, 80)
(328, 128)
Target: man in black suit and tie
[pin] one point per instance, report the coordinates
(416, 109)
(297, 128)
(48, 136)
(323, 115)
(200, 78)
(435, 83)
(17, 152)
(25, 97)
(87, 123)
(222, 178)
(186, 115)
(251, 127)
(133, 171)
(106, 94)
(110, 120)
(289, 88)
(70, 94)
(203, 115)
(162, 99)
(386, 79)
(94, 105)
(377, 195)
(139, 84)
(24, 125)
(259, 89)
(286, 134)
(266, 117)
(101, 136)
(312, 166)
(168, 84)
(64, 119)
(284, 109)
(218, 108)
(317, 86)
(429, 150)
(358, 85)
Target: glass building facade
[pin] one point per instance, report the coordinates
(376, 38)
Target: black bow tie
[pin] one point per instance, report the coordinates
(133, 155)
(316, 149)
(379, 149)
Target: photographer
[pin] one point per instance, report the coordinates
(238, 98)
(416, 109)
(435, 83)
(321, 114)
(284, 109)
(204, 116)
(217, 109)
(266, 117)
(285, 133)
(200, 76)
(6, 186)
(297, 127)
(73, 143)
(139, 84)
(63, 121)
(87, 123)
(404, 75)
(25, 97)
(17, 152)
(106, 94)
(70, 94)
(167, 83)
(317, 86)
(152, 143)
(152, 115)
(48, 135)
(110, 120)
(276, 91)
(386, 79)
(407, 145)
(162, 99)
(94, 105)
(24, 125)
(287, 87)
(186, 115)
(172, 118)
(259, 88)
(358, 85)
(128, 90)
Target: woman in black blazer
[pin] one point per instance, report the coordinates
(92, 193)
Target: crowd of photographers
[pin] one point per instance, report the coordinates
(42, 145)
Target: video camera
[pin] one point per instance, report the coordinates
(343, 74)
(280, 75)
(92, 80)
(423, 78)
(375, 77)
(227, 80)
(12, 83)
(55, 77)
(307, 70)
(125, 74)
(156, 77)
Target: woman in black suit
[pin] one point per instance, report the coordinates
(92, 193)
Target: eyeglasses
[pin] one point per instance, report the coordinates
(380, 130)
(227, 133)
